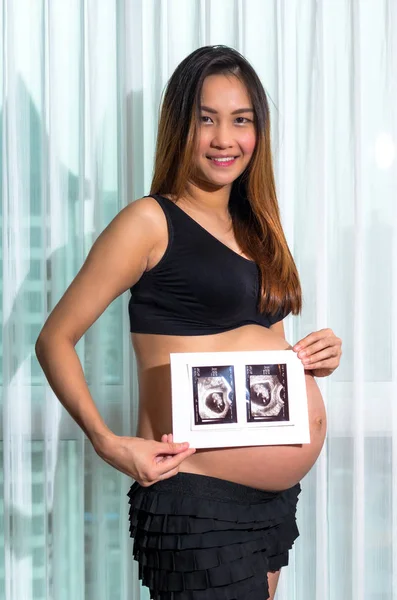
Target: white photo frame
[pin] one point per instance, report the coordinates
(227, 399)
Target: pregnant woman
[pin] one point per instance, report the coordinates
(209, 270)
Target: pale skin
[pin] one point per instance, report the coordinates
(133, 243)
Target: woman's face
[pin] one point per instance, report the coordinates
(226, 130)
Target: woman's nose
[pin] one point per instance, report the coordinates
(222, 137)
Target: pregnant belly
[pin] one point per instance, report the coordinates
(267, 467)
(264, 467)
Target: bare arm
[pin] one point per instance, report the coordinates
(64, 373)
(115, 262)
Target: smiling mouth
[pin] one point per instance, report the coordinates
(223, 162)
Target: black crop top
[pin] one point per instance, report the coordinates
(199, 287)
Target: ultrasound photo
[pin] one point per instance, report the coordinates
(214, 395)
(267, 393)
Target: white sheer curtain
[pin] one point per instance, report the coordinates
(80, 89)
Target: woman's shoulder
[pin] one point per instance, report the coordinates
(146, 207)
(146, 213)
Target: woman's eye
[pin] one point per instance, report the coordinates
(239, 120)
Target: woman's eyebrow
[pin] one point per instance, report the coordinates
(235, 112)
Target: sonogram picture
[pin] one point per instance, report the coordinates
(214, 395)
(267, 393)
(222, 399)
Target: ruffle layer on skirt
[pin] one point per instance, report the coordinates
(191, 545)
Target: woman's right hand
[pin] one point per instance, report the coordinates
(146, 461)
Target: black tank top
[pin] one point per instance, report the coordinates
(199, 287)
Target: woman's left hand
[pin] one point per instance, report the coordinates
(320, 352)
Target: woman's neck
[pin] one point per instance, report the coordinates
(205, 201)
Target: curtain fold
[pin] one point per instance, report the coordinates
(80, 88)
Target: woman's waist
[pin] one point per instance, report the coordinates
(154, 350)
(154, 372)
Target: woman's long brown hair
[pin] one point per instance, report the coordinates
(253, 201)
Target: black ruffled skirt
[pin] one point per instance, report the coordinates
(203, 538)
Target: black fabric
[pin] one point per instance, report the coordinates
(203, 538)
(199, 287)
